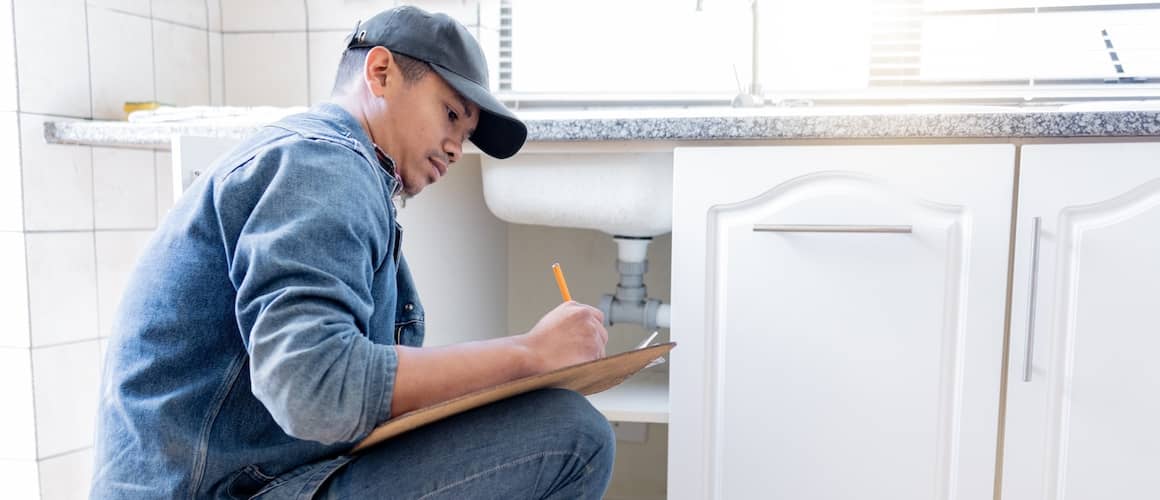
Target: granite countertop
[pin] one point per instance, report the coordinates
(1096, 119)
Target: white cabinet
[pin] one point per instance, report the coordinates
(839, 312)
(1083, 388)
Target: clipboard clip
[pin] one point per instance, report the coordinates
(645, 344)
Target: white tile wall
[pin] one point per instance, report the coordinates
(263, 15)
(58, 180)
(117, 253)
(122, 61)
(66, 388)
(342, 14)
(11, 194)
(138, 7)
(266, 69)
(66, 477)
(187, 12)
(62, 287)
(57, 84)
(7, 58)
(181, 62)
(19, 478)
(17, 441)
(216, 70)
(123, 189)
(13, 293)
(163, 163)
(60, 281)
(325, 52)
(214, 10)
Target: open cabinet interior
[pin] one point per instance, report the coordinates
(480, 277)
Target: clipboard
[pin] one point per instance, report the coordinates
(586, 378)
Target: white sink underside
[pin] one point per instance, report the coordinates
(623, 194)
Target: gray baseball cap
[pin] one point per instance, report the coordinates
(453, 53)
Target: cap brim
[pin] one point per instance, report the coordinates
(499, 133)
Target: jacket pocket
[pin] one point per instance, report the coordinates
(410, 333)
(247, 482)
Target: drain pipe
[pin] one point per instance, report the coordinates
(631, 304)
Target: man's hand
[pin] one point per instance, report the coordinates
(569, 334)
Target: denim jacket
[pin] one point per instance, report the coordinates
(256, 334)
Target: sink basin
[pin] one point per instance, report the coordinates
(622, 194)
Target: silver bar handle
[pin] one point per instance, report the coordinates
(828, 228)
(1032, 288)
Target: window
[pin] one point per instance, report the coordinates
(702, 51)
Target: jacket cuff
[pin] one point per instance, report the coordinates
(381, 385)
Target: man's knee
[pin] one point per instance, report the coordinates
(575, 420)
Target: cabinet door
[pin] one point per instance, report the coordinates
(863, 363)
(1083, 384)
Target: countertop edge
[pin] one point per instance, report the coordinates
(801, 126)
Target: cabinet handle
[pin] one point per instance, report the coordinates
(828, 228)
(1031, 294)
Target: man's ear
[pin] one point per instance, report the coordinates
(377, 70)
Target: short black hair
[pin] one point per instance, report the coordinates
(352, 61)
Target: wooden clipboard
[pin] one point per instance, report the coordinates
(586, 378)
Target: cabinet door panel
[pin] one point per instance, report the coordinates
(1085, 425)
(852, 339)
(839, 365)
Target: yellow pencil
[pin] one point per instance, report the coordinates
(560, 281)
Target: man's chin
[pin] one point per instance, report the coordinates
(411, 190)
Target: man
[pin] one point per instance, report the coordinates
(271, 322)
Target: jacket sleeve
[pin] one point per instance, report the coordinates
(303, 266)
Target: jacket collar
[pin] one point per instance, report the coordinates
(347, 125)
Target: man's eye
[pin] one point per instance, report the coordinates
(452, 115)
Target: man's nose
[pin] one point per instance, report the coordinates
(454, 150)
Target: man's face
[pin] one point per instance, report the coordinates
(426, 126)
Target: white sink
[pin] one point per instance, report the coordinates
(622, 194)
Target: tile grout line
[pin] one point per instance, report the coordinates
(98, 230)
(20, 171)
(209, 82)
(221, 50)
(153, 171)
(97, 338)
(306, 16)
(56, 115)
(89, 56)
(93, 188)
(278, 32)
(16, 80)
(151, 18)
(153, 55)
(28, 276)
(63, 453)
(35, 434)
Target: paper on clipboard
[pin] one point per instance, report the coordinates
(586, 378)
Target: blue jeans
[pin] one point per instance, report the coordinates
(549, 444)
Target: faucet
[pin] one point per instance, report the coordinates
(753, 97)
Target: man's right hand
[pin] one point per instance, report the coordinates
(571, 333)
